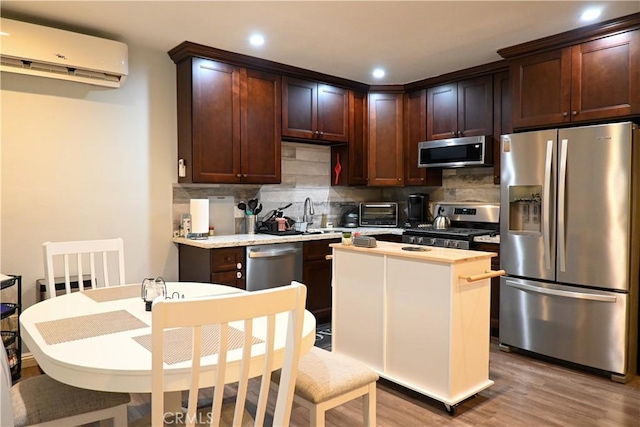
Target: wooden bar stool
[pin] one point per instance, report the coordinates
(326, 380)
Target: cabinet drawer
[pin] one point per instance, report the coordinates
(227, 259)
(229, 278)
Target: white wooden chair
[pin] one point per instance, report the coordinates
(43, 401)
(326, 380)
(262, 307)
(94, 259)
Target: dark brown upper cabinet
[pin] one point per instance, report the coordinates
(501, 117)
(349, 163)
(314, 111)
(228, 123)
(415, 131)
(464, 108)
(385, 139)
(585, 82)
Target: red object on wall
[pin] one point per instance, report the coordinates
(337, 168)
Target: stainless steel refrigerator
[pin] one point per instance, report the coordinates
(570, 245)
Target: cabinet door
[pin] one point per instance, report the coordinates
(442, 112)
(333, 113)
(353, 157)
(260, 127)
(501, 117)
(541, 88)
(385, 140)
(475, 106)
(316, 275)
(495, 287)
(606, 77)
(299, 108)
(215, 122)
(415, 131)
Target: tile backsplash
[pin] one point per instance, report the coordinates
(306, 172)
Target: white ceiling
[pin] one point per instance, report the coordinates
(412, 40)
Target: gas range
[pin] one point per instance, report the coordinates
(468, 220)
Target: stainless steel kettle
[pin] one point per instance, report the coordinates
(441, 221)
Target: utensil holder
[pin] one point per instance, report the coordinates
(250, 224)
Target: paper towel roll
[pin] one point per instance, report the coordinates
(200, 216)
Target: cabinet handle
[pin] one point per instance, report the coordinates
(486, 275)
(575, 113)
(399, 179)
(328, 257)
(239, 266)
(245, 175)
(239, 275)
(421, 179)
(565, 114)
(238, 176)
(453, 133)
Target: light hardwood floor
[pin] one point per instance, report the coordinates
(527, 392)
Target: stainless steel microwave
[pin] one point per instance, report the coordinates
(378, 214)
(456, 152)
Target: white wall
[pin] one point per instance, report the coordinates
(84, 162)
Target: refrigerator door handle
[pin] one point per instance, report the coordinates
(567, 294)
(562, 181)
(546, 196)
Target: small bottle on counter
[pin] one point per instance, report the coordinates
(211, 230)
(323, 222)
(185, 225)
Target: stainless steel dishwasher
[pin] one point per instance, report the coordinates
(270, 266)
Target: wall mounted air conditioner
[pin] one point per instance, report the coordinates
(49, 52)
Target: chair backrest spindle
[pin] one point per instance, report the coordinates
(257, 314)
(83, 253)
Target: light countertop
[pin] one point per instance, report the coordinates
(434, 254)
(487, 239)
(233, 240)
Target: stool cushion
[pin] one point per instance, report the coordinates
(323, 375)
(41, 399)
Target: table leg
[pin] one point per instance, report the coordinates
(173, 402)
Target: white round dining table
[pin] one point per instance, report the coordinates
(116, 361)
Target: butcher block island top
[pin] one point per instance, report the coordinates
(426, 253)
(420, 319)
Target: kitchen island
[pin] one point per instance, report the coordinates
(419, 317)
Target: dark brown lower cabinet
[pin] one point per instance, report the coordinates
(397, 238)
(495, 286)
(316, 275)
(224, 266)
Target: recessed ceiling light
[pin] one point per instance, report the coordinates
(590, 14)
(378, 73)
(256, 40)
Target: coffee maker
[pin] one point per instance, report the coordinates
(417, 209)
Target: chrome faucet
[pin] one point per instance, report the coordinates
(308, 205)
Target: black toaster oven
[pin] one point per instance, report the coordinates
(378, 214)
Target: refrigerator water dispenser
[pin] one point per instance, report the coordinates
(525, 208)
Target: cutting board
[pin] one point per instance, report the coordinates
(221, 211)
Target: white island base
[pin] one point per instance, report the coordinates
(413, 319)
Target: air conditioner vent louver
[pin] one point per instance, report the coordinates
(48, 52)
